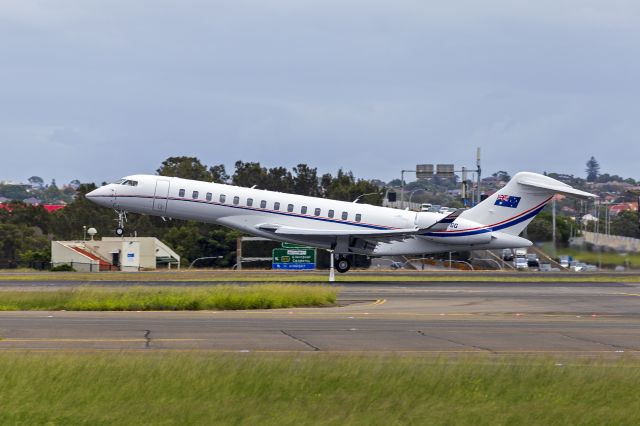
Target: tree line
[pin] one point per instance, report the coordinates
(26, 231)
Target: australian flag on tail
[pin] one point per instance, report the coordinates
(507, 201)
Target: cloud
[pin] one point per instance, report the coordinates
(371, 86)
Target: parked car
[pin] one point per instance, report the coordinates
(425, 207)
(520, 263)
(545, 267)
(564, 261)
(396, 265)
(507, 254)
(532, 260)
(583, 267)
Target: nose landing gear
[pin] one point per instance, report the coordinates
(122, 218)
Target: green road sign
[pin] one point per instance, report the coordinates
(293, 258)
(294, 246)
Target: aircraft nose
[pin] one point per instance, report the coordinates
(99, 196)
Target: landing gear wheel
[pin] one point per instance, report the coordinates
(122, 218)
(343, 265)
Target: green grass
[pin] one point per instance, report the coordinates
(247, 389)
(139, 298)
(316, 277)
(608, 259)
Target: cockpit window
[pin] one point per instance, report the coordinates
(126, 182)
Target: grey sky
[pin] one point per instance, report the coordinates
(99, 89)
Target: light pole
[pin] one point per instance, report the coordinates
(413, 192)
(402, 181)
(363, 195)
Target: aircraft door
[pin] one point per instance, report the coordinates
(161, 195)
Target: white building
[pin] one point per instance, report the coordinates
(113, 254)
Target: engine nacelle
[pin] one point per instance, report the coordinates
(461, 231)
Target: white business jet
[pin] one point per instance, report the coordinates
(339, 226)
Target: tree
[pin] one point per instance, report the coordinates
(250, 174)
(502, 175)
(306, 180)
(218, 174)
(18, 240)
(36, 181)
(540, 229)
(626, 224)
(593, 169)
(345, 187)
(280, 179)
(14, 192)
(184, 167)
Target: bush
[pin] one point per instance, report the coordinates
(65, 267)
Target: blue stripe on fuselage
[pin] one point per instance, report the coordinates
(484, 230)
(290, 214)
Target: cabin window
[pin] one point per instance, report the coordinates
(181, 193)
(331, 213)
(223, 198)
(358, 217)
(316, 212)
(303, 209)
(236, 200)
(209, 196)
(345, 215)
(276, 206)
(130, 182)
(249, 202)
(263, 204)
(290, 208)
(194, 195)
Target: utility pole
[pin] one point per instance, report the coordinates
(479, 172)
(553, 223)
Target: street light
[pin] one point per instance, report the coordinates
(413, 192)
(363, 195)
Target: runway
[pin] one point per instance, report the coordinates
(435, 317)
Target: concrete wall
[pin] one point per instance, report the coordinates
(615, 242)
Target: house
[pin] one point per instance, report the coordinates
(32, 200)
(616, 209)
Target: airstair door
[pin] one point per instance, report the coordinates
(160, 198)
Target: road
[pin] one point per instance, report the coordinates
(436, 317)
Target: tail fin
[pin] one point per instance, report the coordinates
(512, 207)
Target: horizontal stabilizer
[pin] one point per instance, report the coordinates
(552, 185)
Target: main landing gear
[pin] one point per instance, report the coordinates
(122, 218)
(343, 264)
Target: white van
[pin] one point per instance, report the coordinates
(521, 252)
(425, 207)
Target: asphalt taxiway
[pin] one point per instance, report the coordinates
(433, 317)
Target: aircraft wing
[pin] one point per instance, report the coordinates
(378, 235)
